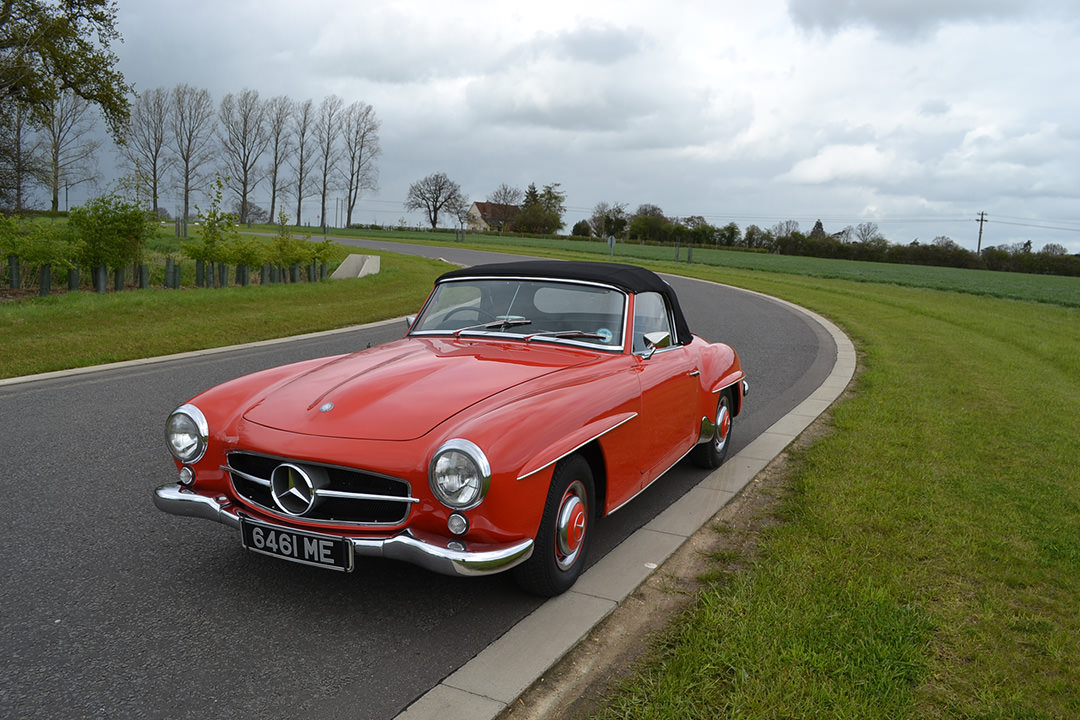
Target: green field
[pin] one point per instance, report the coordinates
(1055, 289)
(928, 562)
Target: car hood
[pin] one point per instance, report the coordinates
(402, 390)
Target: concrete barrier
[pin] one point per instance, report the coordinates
(357, 266)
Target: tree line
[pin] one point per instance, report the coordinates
(57, 64)
(177, 140)
(648, 224)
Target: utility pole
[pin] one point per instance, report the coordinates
(982, 219)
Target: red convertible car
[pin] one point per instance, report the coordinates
(526, 400)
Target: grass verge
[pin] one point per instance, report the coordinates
(928, 562)
(82, 329)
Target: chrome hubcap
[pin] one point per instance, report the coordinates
(723, 426)
(571, 525)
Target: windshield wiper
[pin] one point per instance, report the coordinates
(501, 324)
(567, 334)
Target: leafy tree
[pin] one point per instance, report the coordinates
(217, 229)
(49, 47)
(287, 249)
(435, 194)
(649, 224)
(756, 238)
(112, 231)
(609, 220)
(698, 231)
(541, 211)
(49, 243)
(581, 229)
(729, 235)
(245, 250)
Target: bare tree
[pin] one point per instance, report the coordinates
(244, 139)
(192, 126)
(506, 195)
(20, 157)
(147, 133)
(360, 131)
(279, 114)
(327, 130)
(69, 145)
(303, 117)
(434, 194)
(867, 232)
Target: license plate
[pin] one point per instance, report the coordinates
(325, 551)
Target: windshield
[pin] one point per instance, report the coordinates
(531, 310)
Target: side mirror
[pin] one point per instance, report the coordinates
(409, 320)
(656, 341)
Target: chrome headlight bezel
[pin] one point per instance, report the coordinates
(459, 474)
(187, 434)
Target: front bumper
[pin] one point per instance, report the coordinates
(405, 546)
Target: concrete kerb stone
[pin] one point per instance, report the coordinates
(486, 685)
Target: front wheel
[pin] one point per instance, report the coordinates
(711, 454)
(562, 542)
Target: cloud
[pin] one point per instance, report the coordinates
(907, 19)
(752, 112)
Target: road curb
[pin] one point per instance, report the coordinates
(486, 685)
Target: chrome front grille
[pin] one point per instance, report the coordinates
(319, 493)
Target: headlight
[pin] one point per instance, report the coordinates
(186, 432)
(459, 474)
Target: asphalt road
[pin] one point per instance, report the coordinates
(112, 609)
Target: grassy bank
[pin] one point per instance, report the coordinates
(82, 329)
(929, 562)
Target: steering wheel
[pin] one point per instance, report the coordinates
(480, 313)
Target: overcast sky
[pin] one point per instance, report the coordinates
(913, 114)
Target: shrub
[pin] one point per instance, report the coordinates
(111, 231)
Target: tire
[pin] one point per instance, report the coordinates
(562, 542)
(711, 454)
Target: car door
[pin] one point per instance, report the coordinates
(669, 389)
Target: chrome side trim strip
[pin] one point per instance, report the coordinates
(578, 447)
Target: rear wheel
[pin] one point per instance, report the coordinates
(711, 454)
(562, 542)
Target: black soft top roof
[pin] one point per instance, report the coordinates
(630, 278)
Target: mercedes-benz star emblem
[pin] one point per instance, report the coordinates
(293, 489)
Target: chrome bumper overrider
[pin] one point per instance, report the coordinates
(406, 547)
